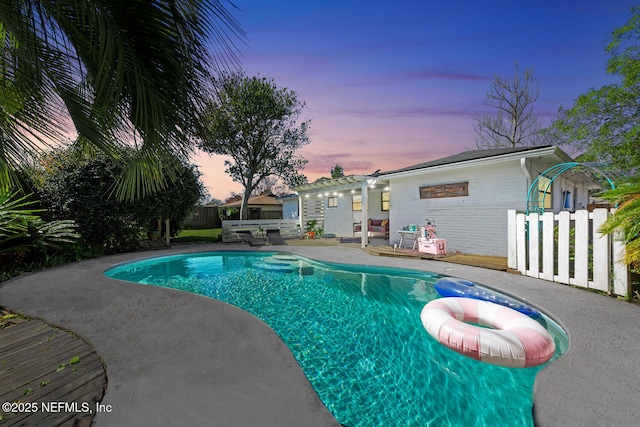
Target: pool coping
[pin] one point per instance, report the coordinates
(233, 370)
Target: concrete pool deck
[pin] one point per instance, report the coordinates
(174, 358)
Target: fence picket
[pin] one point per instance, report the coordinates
(581, 249)
(548, 246)
(521, 244)
(564, 225)
(621, 274)
(534, 245)
(512, 238)
(601, 255)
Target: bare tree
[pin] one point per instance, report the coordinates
(270, 184)
(515, 123)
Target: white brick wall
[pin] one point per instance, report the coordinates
(476, 223)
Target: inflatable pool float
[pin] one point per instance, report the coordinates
(516, 340)
(453, 287)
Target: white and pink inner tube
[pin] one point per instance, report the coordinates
(509, 338)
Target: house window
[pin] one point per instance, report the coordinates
(545, 195)
(332, 202)
(385, 201)
(357, 202)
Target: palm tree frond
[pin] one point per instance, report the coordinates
(132, 70)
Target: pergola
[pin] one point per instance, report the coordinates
(355, 183)
(536, 196)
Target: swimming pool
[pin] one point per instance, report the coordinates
(356, 333)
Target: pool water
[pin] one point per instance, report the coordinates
(356, 333)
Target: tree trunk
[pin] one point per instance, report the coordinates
(244, 208)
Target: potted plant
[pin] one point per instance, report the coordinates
(310, 228)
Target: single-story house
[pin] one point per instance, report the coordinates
(290, 207)
(263, 206)
(466, 196)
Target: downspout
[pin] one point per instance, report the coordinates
(525, 169)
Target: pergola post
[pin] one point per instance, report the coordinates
(364, 224)
(300, 219)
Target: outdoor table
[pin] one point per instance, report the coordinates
(407, 234)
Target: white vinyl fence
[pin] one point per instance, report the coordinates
(568, 248)
(288, 227)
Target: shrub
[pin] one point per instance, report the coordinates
(80, 191)
(80, 187)
(27, 238)
(176, 202)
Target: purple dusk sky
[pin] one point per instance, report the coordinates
(391, 84)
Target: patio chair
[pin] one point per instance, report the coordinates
(274, 237)
(247, 237)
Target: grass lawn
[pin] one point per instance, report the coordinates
(206, 235)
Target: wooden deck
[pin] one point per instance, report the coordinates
(377, 249)
(491, 262)
(52, 377)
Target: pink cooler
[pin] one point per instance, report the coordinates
(432, 246)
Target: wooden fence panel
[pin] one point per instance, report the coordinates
(203, 217)
(313, 208)
(583, 256)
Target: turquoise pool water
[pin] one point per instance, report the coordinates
(356, 333)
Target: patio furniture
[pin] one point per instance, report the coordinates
(375, 228)
(274, 237)
(247, 237)
(410, 235)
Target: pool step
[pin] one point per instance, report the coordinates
(283, 268)
(284, 257)
(284, 264)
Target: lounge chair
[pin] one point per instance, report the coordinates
(275, 238)
(247, 237)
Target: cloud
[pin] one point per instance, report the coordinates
(410, 111)
(335, 81)
(442, 75)
(352, 163)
